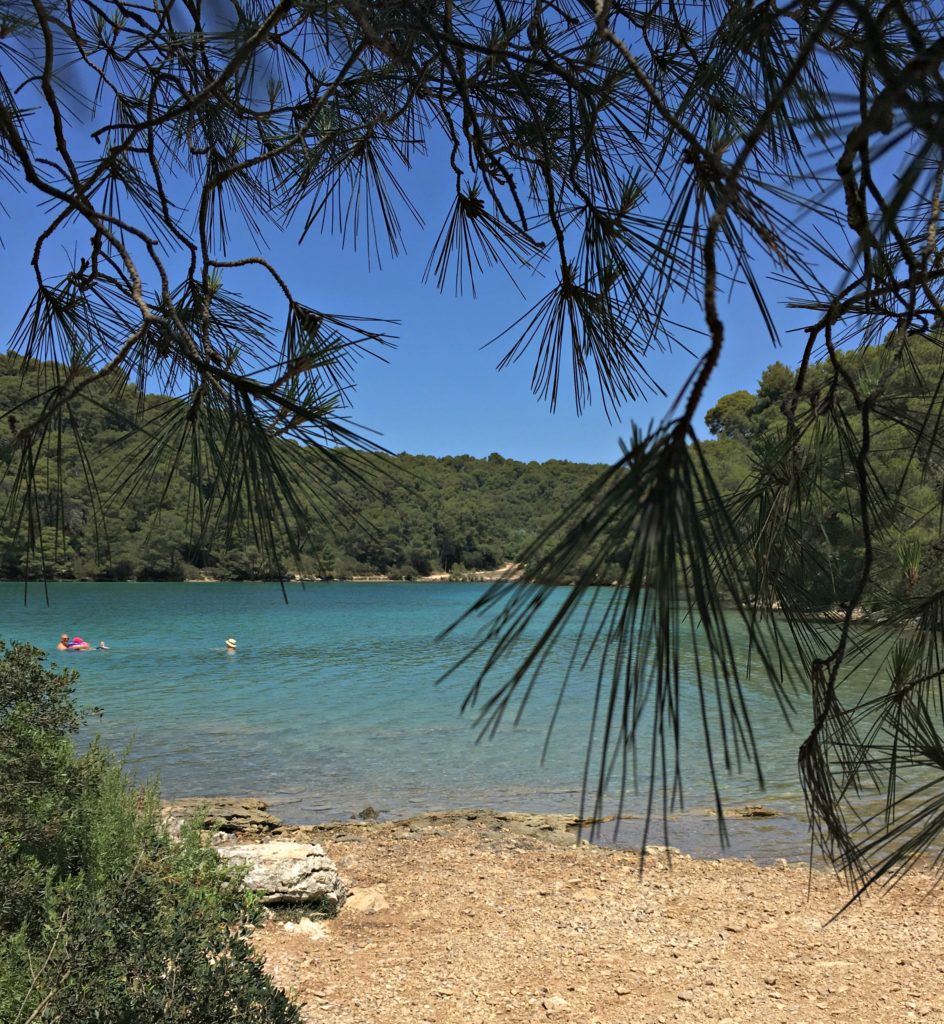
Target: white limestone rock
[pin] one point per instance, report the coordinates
(286, 872)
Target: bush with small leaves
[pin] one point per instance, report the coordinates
(102, 916)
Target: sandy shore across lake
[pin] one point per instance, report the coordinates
(477, 917)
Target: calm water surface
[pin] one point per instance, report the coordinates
(329, 705)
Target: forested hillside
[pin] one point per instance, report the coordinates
(400, 516)
(826, 550)
(408, 516)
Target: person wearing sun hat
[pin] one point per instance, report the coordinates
(231, 644)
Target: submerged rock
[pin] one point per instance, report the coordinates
(752, 811)
(286, 872)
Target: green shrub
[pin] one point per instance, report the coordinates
(40, 779)
(102, 917)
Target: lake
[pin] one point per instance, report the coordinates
(329, 705)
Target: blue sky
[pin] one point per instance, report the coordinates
(438, 392)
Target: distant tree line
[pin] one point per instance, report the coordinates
(402, 516)
(408, 516)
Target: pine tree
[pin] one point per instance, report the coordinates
(643, 155)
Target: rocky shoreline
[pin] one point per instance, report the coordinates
(232, 817)
(477, 916)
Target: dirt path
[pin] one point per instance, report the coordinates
(483, 920)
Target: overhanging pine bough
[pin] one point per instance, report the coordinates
(645, 157)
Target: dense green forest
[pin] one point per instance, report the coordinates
(826, 547)
(400, 516)
(407, 516)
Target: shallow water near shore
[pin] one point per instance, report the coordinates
(329, 705)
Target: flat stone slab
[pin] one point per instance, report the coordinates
(288, 872)
(221, 813)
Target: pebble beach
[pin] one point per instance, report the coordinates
(480, 918)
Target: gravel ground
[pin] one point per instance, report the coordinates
(483, 918)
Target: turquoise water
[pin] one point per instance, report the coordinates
(329, 705)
